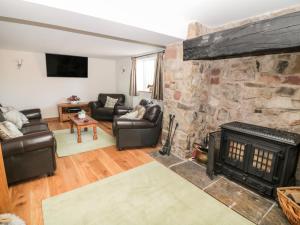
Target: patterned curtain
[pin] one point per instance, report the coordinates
(132, 87)
(157, 91)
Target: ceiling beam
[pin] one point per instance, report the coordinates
(72, 30)
(272, 36)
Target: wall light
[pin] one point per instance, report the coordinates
(19, 63)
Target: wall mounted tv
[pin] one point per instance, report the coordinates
(66, 66)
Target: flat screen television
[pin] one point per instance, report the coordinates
(66, 66)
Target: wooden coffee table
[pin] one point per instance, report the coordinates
(83, 123)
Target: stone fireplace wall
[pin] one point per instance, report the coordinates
(203, 94)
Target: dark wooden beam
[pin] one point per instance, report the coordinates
(276, 35)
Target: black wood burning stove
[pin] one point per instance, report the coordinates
(258, 157)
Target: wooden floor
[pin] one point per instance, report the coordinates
(73, 172)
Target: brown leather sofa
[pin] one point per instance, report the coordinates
(132, 133)
(99, 112)
(32, 154)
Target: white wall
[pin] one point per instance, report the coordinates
(30, 87)
(123, 68)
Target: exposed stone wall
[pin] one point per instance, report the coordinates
(262, 90)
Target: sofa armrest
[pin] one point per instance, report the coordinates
(32, 113)
(122, 110)
(133, 124)
(95, 104)
(27, 143)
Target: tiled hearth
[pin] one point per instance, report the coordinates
(254, 207)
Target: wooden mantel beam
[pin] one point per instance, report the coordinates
(276, 35)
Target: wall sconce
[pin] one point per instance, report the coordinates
(19, 63)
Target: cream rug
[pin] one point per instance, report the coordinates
(147, 195)
(67, 142)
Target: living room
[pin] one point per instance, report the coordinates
(113, 114)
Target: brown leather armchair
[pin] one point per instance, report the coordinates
(99, 112)
(131, 133)
(32, 154)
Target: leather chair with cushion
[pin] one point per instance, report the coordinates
(32, 154)
(99, 112)
(132, 133)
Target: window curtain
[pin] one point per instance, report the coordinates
(132, 87)
(157, 91)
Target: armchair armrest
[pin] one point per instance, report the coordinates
(32, 113)
(120, 110)
(133, 124)
(27, 143)
(95, 104)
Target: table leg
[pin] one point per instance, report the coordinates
(95, 133)
(78, 135)
(72, 127)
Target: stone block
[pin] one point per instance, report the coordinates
(184, 107)
(295, 80)
(285, 91)
(269, 78)
(279, 102)
(196, 29)
(281, 66)
(296, 68)
(256, 85)
(177, 95)
(215, 80)
(223, 115)
(171, 52)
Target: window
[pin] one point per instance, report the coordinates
(145, 69)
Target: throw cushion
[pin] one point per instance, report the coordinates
(16, 117)
(141, 111)
(130, 115)
(6, 109)
(110, 102)
(8, 130)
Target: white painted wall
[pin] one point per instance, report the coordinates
(30, 87)
(123, 69)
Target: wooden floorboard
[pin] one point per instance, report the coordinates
(73, 172)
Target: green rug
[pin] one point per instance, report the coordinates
(67, 142)
(147, 195)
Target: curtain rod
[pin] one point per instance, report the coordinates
(153, 53)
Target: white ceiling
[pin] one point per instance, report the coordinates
(169, 17)
(39, 39)
(134, 27)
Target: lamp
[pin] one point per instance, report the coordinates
(19, 63)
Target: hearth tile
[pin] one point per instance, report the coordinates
(165, 159)
(250, 205)
(194, 173)
(275, 217)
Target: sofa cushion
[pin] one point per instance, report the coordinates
(9, 130)
(110, 102)
(15, 117)
(152, 113)
(102, 98)
(130, 115)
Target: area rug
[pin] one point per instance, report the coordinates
(67, 142)
(147, 195)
